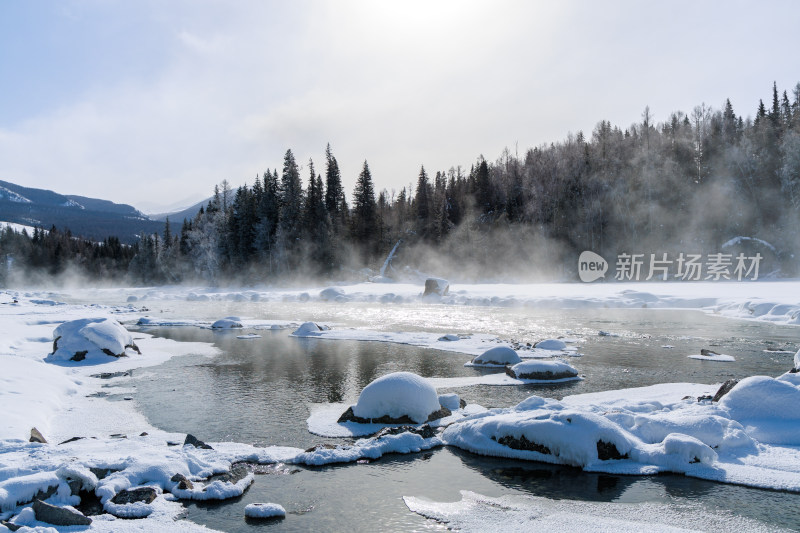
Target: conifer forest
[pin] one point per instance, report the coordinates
(688, 183)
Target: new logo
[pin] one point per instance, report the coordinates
(591, 266)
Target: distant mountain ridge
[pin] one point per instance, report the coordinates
(91, 218)
(177, 217)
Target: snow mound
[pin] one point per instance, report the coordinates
(451, 401)
(264, 510)
(767, 408)
(92, 339)
(231, 322)
(718, 357)
(496, 357)
(551, 344)
(307, 329)
(396, 395)
(688, 449)
(797, 360)
(566, 436)
(542, 370)
(331, 294)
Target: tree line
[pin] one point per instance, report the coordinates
(690, 183)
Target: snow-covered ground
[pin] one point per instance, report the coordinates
(750, 438)
(775, 301)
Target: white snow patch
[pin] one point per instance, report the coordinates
(498, 356)
(264, 510)
(93, 336)
(398, 394)
(719, 357)
(535, 514)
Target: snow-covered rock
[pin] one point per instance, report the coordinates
(264, 510)
(767, 408)
(307, 329)
(331, 294)
(437, 286)
(538, 369)
(230, 322)
(398, 395)
(499, 356)
(91, 338)
(451, 401)
(450, 337)
(551, 344)
(562, 437)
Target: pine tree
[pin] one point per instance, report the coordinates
(422, 207)
(364, 221)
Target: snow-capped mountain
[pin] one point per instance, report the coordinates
(91, 218)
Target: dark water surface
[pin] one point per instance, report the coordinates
(258, 391)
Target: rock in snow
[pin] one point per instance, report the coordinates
(545, 370)
(551, 344)
(307, 329)
(264, 510)
(227, 323)
(436, 286)
(397, 396)
(91, 338)
(497, 356)
(59, 516)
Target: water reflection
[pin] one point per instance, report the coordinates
(258, 391)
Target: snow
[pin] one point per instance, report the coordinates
(264, 510)
(307, 329)
(231, 322)
(523, 513)
(536, 366)
(398, 394)
(551, 344)
(797, 360)
(450, 401)
(94, 336)
(499, 356)
(719, 357)
(750, 437)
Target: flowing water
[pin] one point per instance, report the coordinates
(259, 391)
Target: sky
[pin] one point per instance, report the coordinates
(153, 102)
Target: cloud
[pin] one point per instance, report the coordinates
(191, 93)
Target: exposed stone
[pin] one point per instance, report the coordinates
(323, 446)
(704, 398)
(36, 436)
(73, 439)
(101, 472)
(543, 376)
(183, 483)
(349, 416)
(79, 356)
(197, 443)
(522, 443)
(109, 375)
(607, 451)
(425, 431)
(140, 494)
(58, 516)
(724, 389)
(10, 526)
(238, 472)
